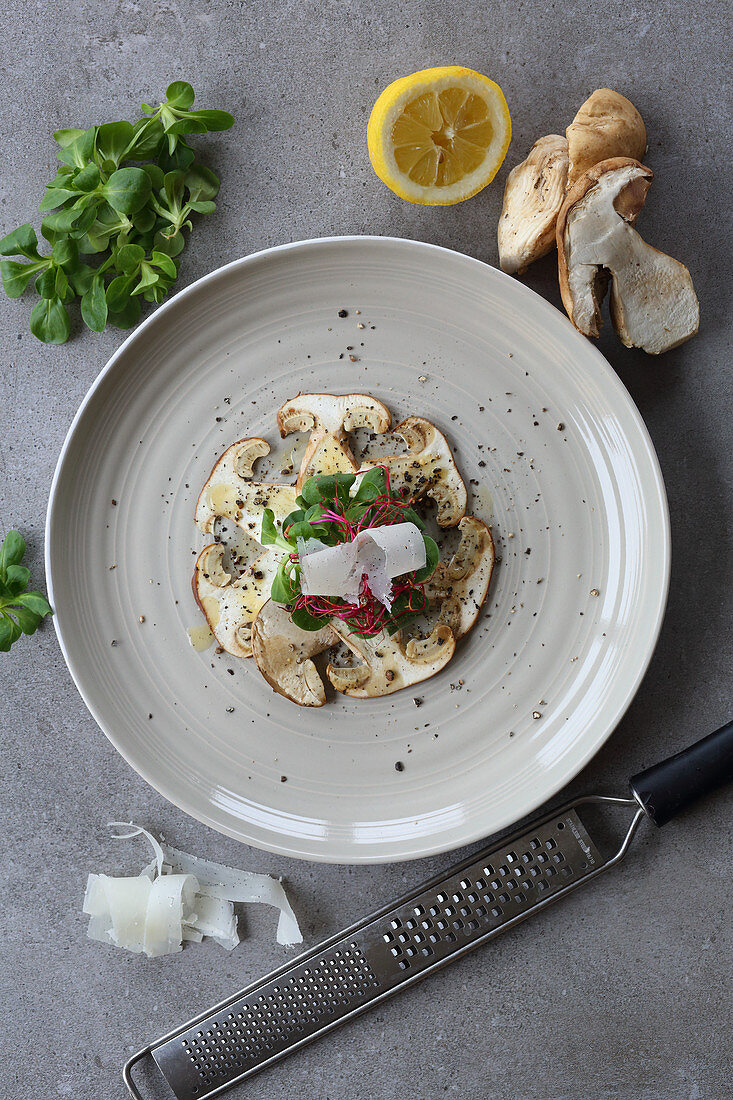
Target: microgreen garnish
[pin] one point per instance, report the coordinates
(330, 512)
(20, 611)
(124, 192)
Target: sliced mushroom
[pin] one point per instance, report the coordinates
(388, 663)
(283, 654)
(533, 195)
(329, 418)
(607, 125)
(429, 469)
(460, 586)
(230, 606)
(653, 302)
(230, 493)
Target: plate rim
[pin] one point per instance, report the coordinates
(426, 846)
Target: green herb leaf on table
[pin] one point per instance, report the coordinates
(100, 203)
(20, 611)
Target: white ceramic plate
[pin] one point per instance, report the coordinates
(559, 461)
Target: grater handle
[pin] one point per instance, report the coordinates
(668, 788)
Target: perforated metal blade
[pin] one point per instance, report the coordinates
(382, 954)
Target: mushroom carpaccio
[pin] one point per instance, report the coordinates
(239, 609)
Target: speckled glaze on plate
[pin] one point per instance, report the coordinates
(558, 460)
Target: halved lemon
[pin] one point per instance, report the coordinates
(438, 136)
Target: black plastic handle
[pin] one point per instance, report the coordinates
(668, 788)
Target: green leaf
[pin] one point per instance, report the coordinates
(402, 613)
(9, 632)
(212, 120)
(172, 245)
(21, 242)
(269, 534)
(61, 285)
(174, 184)
(55, 197)
(165, 263)
(87, 215)
(64, 220)
(371, 485)
(284, 590)
(188, 124)
(157, 175)
(326, 487)
(147, 141)
(67, 137)
(148, 278)
(144, 220)
(108, 223)
(179, 94)
(81, 277)
(16, 579)
(46, 283)
(201, 183)
(119, 291)
(126, 317)
(16, 276)
(50, 321)
(293, 517)
(128, 258)
(35, 601)
(12, 551)
(181, 158)
(202, 207)
(432, 557)
(88, 179)
(28, 621)
(409, 515)
(94, 305)
(304, 530)
(65, 253)
(113, 139)
(127, 190)
(78, 150)
(306, 621)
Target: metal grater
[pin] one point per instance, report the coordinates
(406, 941)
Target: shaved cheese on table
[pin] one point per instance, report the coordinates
(219, 881)
(178, 898)
(378, 555)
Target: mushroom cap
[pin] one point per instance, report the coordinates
(534, 193)
(230, 493)
(461, 585)
(607, 125)
(329, 417)
(388, 663)
(429, 469)
(230, 606)
(283, 654)
(653, 302)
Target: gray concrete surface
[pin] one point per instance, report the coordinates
(620, 993)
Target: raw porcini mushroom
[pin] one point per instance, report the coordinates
(230, 606)
(229, 492)
(389, 664)
(429, 469)
(283, 654)
(461, 585)
(534, 193)
(653, 303)
(607, 125)
(329, 418)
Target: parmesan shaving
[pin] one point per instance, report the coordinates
(178, 898)
(376, 555)
(231, 884)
